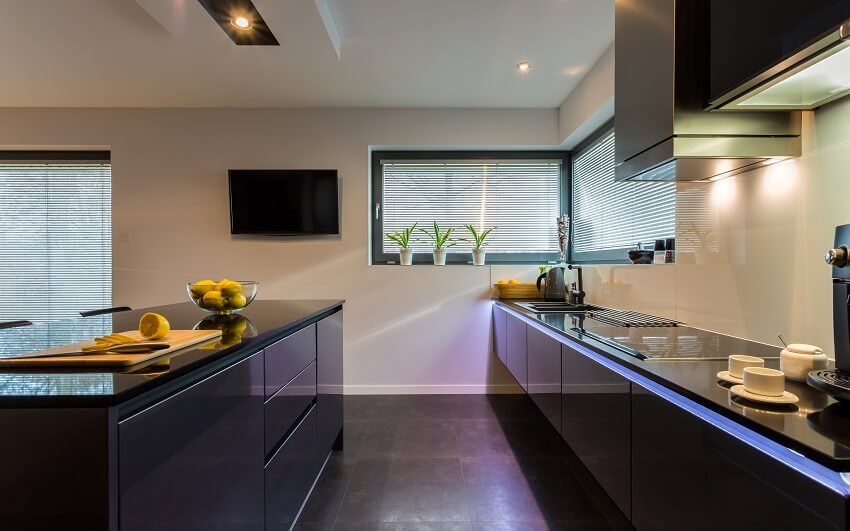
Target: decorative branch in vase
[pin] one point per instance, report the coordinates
(442, 240)
(403, 239)
(478, 237)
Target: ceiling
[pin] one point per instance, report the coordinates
(393, 53)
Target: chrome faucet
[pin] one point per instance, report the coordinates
(578, 293)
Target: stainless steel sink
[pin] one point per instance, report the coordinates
(556, 307)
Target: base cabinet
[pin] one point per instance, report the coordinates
(500, 332)
(544, 374)
(516, 350)
(290, 474)
(195, 460)
(596, 412)
(691, 475)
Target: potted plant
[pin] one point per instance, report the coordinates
(442, 240)
(478, 241)
(402, 238)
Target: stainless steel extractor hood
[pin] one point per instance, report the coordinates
(664, 131)
(817, 74)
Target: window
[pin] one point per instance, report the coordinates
(520, 193)
(610, 217)
(55, 239)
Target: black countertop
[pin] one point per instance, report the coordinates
(817, 426)
(259, 325)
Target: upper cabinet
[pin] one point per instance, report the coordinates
(778, 54)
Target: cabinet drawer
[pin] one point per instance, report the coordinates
(286, 358)
(284, 408)
(290, 474)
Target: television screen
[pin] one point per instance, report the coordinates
(284, 202)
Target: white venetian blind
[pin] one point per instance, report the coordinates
(55, 240)
(609, 215)
(521, 198)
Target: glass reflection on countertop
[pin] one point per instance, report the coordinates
(21, 384)
(49, 334)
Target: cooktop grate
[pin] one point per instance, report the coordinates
(834, 382)
(630, 319)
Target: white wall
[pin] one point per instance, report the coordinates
(763, 273)
(590, 104)
(417, 329)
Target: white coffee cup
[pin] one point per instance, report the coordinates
(738, 362)
(764, 381)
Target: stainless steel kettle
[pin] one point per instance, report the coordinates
(556, 289)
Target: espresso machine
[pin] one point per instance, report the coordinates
(837, 382)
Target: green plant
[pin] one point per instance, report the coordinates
(544, 268)
(402, 238)
(477, 237)
(441, 238)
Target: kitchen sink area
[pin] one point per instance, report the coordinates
(556, 307)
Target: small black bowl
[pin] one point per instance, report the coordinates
(639, 256)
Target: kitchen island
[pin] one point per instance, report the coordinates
(225, 435)
(644, 411)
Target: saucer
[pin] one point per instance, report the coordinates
(786, 398)
(726, 377)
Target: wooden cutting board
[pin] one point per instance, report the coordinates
(178, 339)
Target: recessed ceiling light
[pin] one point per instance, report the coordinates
(241, 23)
(523, 66)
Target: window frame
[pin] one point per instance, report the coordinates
(378, 257)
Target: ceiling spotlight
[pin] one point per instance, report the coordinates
(523, 66)
(241, 23)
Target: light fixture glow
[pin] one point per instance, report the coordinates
(241, 23)
(523, 66)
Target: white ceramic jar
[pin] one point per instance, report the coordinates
(797, 360)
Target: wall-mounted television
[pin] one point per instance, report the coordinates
(284, 202)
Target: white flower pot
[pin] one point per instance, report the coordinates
(478, 256)
(440, 256)
(406, 257)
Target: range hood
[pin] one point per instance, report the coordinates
(664, 131)
(802, 64)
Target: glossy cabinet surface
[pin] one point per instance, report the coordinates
(286, 406)
(544, 374)
(290, 474)
(688, 474)
(596, 404)
(516, 350)
(194, 461)
(330, 382)
(288, 357)
(500, 338)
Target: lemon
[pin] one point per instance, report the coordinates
(213, 300)
(502, 282)
(154, 326)
(513, 281)
(201, 287)
(229, 288)
(238, 301)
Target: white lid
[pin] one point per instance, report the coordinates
(802, 348)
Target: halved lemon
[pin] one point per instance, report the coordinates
(154, 326)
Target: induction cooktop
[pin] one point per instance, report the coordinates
(662, 343)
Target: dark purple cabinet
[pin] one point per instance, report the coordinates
(500, 338)
(330, 385)
(288, 357)
(194, 461)
(596, 413)
(688, 474)
(290, 474)
(544, 374)
(516, 350)
(286, 406)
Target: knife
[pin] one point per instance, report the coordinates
(127, 348)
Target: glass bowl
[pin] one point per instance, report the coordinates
(224, 297)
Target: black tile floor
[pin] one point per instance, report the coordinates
(454, 462)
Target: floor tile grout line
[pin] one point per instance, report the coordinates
(348, 483)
